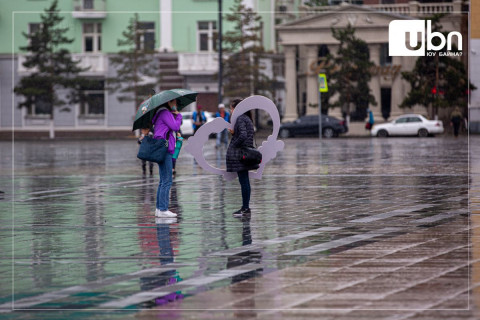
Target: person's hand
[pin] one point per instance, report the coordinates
(231, 131)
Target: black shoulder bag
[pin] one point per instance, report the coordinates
(250, 155)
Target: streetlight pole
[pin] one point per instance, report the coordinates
(319, 111)
(220, 63)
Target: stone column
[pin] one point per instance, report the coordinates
(166, 25)
(290, 84)
(312, 82)
(414, 7)
(334, 112)
(457, 6)
(375, 82)
(399, 89)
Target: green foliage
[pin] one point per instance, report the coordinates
(51, 65)
(447, 74)
(348, 72)
(243, 69)
(135, 66)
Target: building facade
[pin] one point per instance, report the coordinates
(182, 34)
(305, 40)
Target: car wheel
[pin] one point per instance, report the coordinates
(382, 133)
(284, 133)
(328, 133)
(423, 133)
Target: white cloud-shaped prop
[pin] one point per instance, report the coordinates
(268, 148)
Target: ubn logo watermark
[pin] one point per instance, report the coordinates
(409, 38)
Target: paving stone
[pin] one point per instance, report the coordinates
(340, 229)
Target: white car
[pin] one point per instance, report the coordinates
(408, 125)
(187, 127)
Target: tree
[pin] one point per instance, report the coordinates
(243, 74)
(52, 67)
(136, 70)
(349, 73)
(437, 81)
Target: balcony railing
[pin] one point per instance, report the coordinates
(97, 63)
(89, 9)
(412, 8)
(198, 63)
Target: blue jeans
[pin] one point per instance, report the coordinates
(163, 191)
(246, 190)
(222, 137)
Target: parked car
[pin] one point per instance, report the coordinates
(187, 128)
(408, 125)
(308, 126)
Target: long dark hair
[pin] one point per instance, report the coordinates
(234, 104)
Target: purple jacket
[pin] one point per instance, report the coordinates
(163, 122)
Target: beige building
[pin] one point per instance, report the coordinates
(305, 40)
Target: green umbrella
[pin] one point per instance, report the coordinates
(147, 109)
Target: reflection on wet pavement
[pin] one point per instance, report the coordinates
(342, 229)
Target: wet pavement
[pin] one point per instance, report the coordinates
(340, 229)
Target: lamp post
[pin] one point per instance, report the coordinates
(220, 63)
(322, 87)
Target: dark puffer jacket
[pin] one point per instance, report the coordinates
(242, 137)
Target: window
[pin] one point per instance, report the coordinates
(146, 36)
(207, 36)
(386, 102)
(385, 58)
(32, 29)
(322, 51)
(414, 119)
(88, 4)
(41, 107)
(92, 37)
(93, 99)
(401, 120)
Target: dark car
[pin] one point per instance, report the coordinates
(308, 126)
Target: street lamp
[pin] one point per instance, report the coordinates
(220, 64)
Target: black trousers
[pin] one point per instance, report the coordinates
(246, 190)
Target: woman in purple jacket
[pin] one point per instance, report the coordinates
(166, 121)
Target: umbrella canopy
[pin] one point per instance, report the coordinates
(147, 109)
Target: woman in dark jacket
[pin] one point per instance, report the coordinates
(242, 136)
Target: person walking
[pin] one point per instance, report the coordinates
(242, 136)
(198, 118)
(456, 119)
(165, 123)
(371, 120)
(223, 135)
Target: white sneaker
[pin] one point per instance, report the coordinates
(165, 220)
(165, 214)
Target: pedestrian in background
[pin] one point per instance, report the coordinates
(370, 121)
(198, 118)
(223, 135)
(178, 147)
(242, 136)
(456, 119)
(165, 123)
